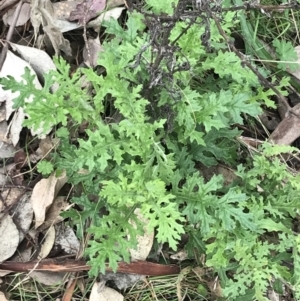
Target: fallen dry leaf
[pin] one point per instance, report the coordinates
(48, 243)
(22, 214)
(66, 239)
(10, 197)
(81, 284)
(38, 59)
(15, 67)
(122, 281)
(208, 172)
(273, 296)
(44, 194)
(2, 297)
(4, 273)
(22, 255)
(7, 3)
(91, 52)
(23, 16)
(269, 120)
(7, 150)
(45, 147)
(4, 131)
(53, 213)
(43, 15)
(9, 237)
(104, 293)
(288, 129)
(114, 3)
(47, 278)
(145, 241)
(180, 256)
(16, 126)
(215, 288)
(114, 13)
(87, 10)
(2, 111)
(64, 25)
(296, 73)
(4, 178)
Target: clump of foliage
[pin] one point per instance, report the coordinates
(169, 98)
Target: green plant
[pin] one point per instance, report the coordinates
(169, 99)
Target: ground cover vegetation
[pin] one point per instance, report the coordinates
(170, 97)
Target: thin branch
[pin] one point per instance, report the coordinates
(69, 265)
